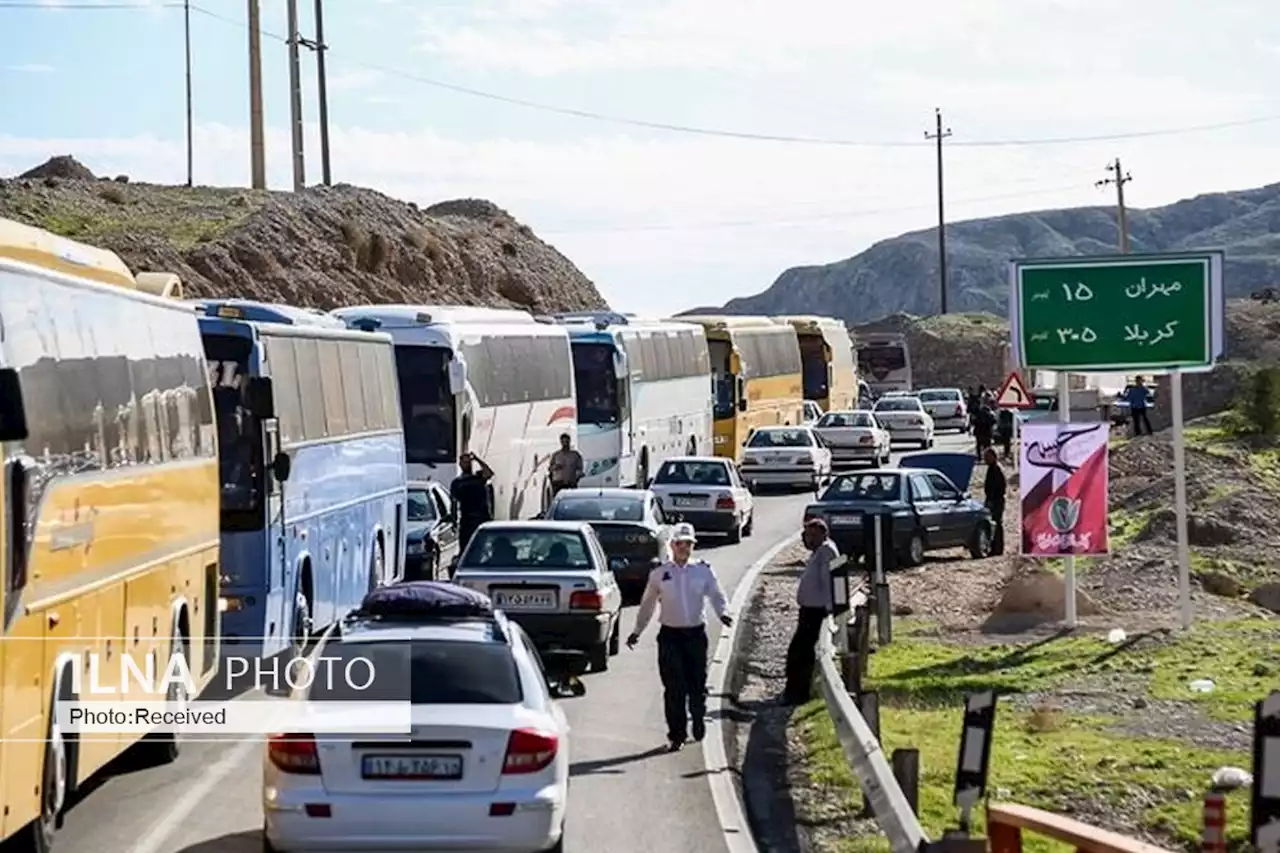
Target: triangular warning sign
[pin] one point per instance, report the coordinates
(1014, 394)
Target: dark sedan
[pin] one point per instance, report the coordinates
(431, 539)
(630, 526)
(929, 511)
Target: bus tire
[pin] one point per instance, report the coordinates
(37, 836)
(301, 620)
(159, 748)
(377, 565)
(693, 446)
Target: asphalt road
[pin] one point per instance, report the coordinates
(628, 794)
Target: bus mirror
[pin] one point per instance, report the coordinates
(620, 368)
(742, 404)
(281, 465)
(261, 399)
(13, 414)
(457, 377)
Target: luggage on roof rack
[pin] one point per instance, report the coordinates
(424, 600)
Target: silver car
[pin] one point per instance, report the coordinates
(947, 408)
(905, 419)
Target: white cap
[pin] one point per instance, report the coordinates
(683, 533)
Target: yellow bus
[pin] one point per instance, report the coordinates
(108, 513)
(828, 364)
(755, 374)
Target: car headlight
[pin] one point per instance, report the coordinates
(415, 548)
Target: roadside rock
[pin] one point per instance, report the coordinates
(1033, 598)
(1267, 596)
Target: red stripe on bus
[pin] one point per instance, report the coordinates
(564, 413)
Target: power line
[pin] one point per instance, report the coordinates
(692, 130)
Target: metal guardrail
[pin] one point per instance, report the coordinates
(861, 748)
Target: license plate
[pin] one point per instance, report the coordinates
(847, 520)
(688, 502)
(516, 600)
(411, 767)
(617, 562)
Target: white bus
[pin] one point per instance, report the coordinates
(884, 361)
(644, 395)
(493, 381)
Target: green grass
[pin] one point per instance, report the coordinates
(1051, 759)
(1126, 525)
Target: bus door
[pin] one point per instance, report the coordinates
(626, 419)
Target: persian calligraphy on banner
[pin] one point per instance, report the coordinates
(1063, 489)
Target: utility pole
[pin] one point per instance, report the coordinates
(186, 26)
(295, 100)
(939, 134)
(1119, 178)
(257, 145)
(322, 90)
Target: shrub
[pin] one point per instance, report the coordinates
(1258, 410)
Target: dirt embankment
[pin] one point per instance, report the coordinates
(321, 248)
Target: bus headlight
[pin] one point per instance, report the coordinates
(414, 548)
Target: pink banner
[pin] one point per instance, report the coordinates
(1063, 489)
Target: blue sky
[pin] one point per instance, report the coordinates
(663, 220)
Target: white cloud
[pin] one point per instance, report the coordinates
(348, 81)
(31, 68)
(663, 224)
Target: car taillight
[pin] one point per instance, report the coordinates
(585, 600)
(959, 411)
(294, 753)
(529, 750)
(866, 439)
(725, 502)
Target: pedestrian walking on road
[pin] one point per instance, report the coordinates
(566, 466)
(472, 501)
(1138, 396)
(984, 425)
(813, 595)
(994, 487)
(680, 590)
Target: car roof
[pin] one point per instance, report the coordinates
(478, 630)
(719, 459)
(782, 428)
(849, 412)
(956, 390)
(871, 472)
(548, 526)
(611, 492)
(414, 485)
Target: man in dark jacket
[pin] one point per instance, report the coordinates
(1138, 396)
(1004, 432)
(472, 497)
(984, 425)
(993, 487)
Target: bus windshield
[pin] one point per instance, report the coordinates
(596, 384)
(813, 362)
(426, 406)
(882, 361)
(723, 381)
(239, 434)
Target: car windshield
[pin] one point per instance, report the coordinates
(940, 396)
(693, 473)
(863, 487)
(431, 672)
(598, 508)
(421, 507)
(781, 438)
(514, 548)
(836, 420)
(898, 404)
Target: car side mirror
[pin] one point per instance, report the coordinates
(281, 465)
(13, 413)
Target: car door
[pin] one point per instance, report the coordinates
(928, 512)
(446, 532)
(951, 508)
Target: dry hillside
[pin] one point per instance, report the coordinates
(324, 247)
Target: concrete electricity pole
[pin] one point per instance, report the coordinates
(1119, 178)
(257, 147)
(322, 90)
(295, 100)
(939, 134)
(186, 31)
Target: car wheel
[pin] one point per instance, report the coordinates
(750, 526)
(598, 657)
(734, 536)
(980, 547)
(615, 636)
(913, 555)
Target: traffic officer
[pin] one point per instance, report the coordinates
(680, 589)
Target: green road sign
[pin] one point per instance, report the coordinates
(1121, 312)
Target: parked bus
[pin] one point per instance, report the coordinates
(643, 395)
(314, 493)
(108, 512)
(884, 361)
(828, 364)
(755, 373)
(493, 381)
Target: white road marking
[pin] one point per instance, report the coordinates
(724, 793)
(162, 831)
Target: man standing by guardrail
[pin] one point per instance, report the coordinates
(813, 596)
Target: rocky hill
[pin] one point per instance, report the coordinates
(901, 274)
(321, 248)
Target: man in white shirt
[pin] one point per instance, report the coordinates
(680, 589)
(813, 598)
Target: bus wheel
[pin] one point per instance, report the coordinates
(53, 793)
(301, 623)
(165, 747)
(693, 446)
(376, 566)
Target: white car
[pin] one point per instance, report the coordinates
(947, 408)
(854, 436)
(905, 419)
(785, 456)
(812, 411)
(553, 578)
(707, 492)
(485, 767)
